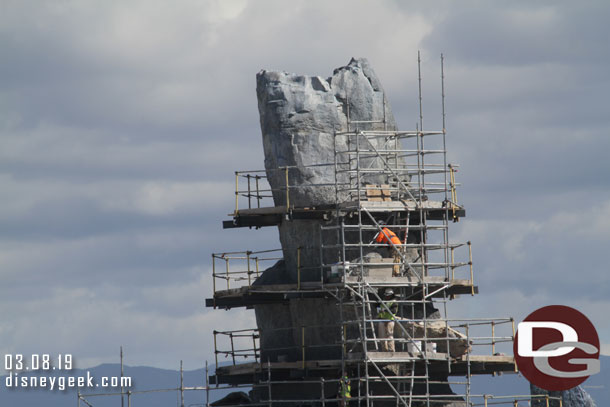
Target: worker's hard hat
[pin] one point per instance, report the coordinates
(381, 222)
(389, 292)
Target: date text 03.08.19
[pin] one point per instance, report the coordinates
(45, 361)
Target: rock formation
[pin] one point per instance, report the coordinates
(576, 397)
(299, 116)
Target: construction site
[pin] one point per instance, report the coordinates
(354, 308)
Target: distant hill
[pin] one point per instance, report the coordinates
(149, 378)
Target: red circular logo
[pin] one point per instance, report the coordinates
(556, 348)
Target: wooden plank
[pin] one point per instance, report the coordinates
(385, 192)
(398, 356)
(372, 190)
(488, 358)
(373, 193)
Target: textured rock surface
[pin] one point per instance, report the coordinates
(576, 397)
(299, 116)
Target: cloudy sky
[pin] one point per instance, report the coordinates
(121, 123)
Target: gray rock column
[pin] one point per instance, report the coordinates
(299, 116)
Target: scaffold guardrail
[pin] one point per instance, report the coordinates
(456, 338)
(238, 269)
(241, 268)
(351, 181)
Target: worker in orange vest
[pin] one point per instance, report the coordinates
(388, 237)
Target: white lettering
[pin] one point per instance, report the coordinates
(526, 342)
(593, 365)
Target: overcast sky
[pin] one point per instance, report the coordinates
(121, 123)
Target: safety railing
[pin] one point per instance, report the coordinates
(252, 189)
(324, 391)
(488, 336)
(414, 339)
(455, 337)
(256, 191)
(452, 184)
(299, 350)
(238, 269)
(410, 168)
(450, 261)
(527, 400)
(232, 270)
(396, 163)
(238, 344)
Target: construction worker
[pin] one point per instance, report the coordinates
(385, 329)
(388, 237)
(345, 391)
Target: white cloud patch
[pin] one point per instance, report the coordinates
(155, 198)
(93, 327)
(161, 198)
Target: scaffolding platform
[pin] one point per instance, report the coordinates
(397, 357)
(247, 373)
(274, 215)
(433, 208)
(479, 364)
(249, 296)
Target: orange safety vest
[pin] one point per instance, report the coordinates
(381, 237)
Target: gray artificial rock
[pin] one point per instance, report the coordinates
(299, 116)
(575, 397)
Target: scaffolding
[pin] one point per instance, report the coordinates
(206, 393)
(381, 180)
